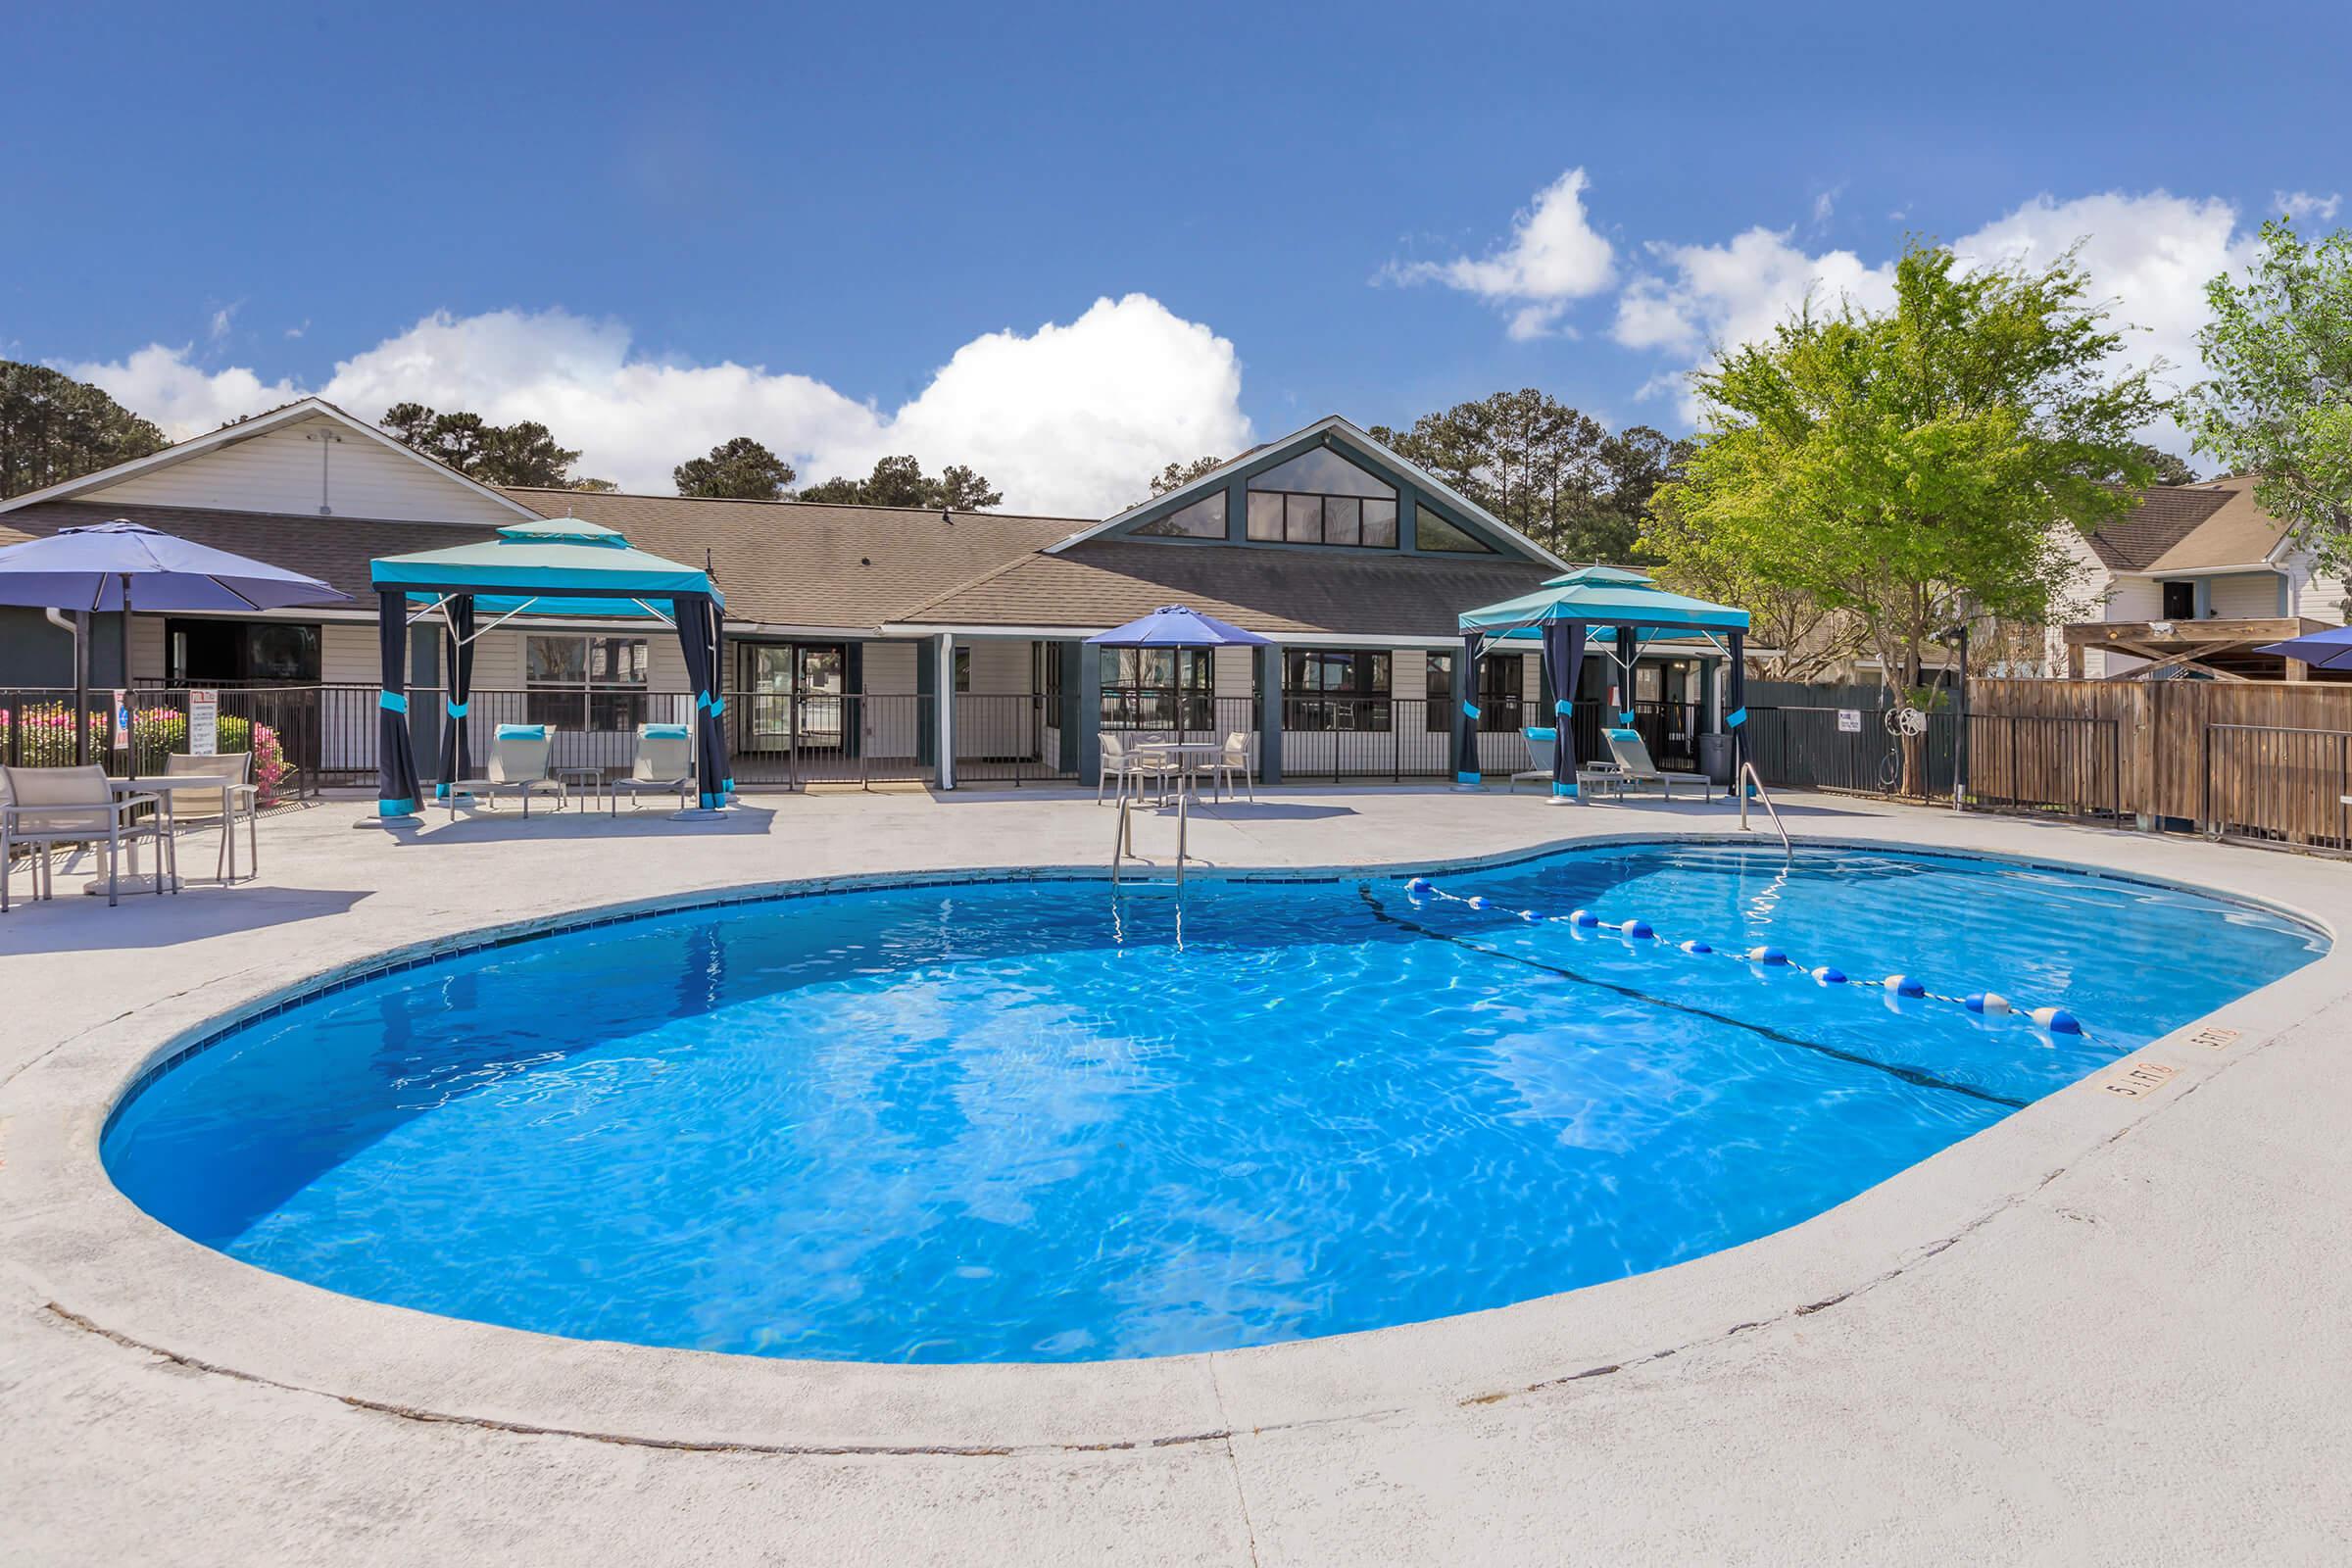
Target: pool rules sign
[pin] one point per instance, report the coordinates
(204, 722)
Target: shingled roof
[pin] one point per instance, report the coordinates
(799, 563)
(780, 563)
(1098, 584)
(2190, 528)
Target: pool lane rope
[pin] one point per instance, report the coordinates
(1988, 1003)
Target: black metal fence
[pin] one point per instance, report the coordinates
(1852, 750)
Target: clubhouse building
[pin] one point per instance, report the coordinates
(870, 644)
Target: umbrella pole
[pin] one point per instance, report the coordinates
(82, 688)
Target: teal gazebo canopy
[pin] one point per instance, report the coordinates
(1606, 597)
(1614, 604)
(557, 566)
(551, 566)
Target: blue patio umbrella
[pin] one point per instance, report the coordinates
(1176, 626)
(2321, 650)
(94, 567)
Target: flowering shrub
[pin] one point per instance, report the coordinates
(47, 740)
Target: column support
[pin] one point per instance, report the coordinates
(1269, 713)
(943, 682)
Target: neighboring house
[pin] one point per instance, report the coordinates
(2190, 583)
(843, 622)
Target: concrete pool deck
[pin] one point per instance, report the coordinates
(2107, 1329)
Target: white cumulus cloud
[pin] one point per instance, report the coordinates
(1068, 419)
(1555, 258)
(2301, 204)
(2148, 256)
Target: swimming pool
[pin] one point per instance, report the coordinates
(1041, 1121)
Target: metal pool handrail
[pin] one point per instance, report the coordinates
(1748, 776)
(1122, 847)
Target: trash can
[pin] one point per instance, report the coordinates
(1715, 758)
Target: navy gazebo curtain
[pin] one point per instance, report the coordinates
(701, 628)
(395, 759)
(456, 646)
(697, 619)
(1466, 768)
(1735, 719)
(1564, 663)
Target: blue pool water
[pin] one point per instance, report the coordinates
(1039, 1122)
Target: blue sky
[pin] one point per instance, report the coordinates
(212, 207)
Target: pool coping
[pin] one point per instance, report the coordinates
(109, 1268)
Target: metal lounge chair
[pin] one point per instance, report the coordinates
(664, 765)
(1233, 763)
(1634, 766)
(1543, 754)
(520, 754)
(236, 795)
(51, 805)
(1129, 768)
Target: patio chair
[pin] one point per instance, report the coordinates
(198, 807)
(1633, 764)
(1233, 763)
(520, 754)
(1543, 752)
(665, 764)
(47, 807)
(1129, 768)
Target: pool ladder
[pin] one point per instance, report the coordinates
(1748, 776)
(1122, 848)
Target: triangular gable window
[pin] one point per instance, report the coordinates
(1433, 532)
(1320, 498)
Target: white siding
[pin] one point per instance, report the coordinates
(999, 666)
(2246, 596)
(890, 673)
(282, 472)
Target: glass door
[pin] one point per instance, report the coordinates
(824, 715)
(767, 689)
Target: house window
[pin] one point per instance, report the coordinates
(2179, 601)
(1502, 689)
(1433, 532)
(1154, 688)
(580, 682)
(1204, 519)
(1438, 711)
(964, 670)
(205, 653)
(1334, 689)
(1320, 498)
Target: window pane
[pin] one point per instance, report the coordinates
(282, 653)
(1433, 532)
(617, 661)
(1302, 519)
(1380, 524)
(1203, 520)
(1325, 472)
(1266, 518)
(1342, 520)
(556, 660)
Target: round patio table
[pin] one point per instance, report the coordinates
(1188, 756)
(164, 786)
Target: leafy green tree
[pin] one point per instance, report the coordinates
(1552, 472)
(1912, 466)
(1176, 475)
(900, 481)
(524, 453)
(54, 429)
(2280, 402)
(738, 469)
(2168, 467)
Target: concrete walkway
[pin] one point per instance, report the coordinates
(2108, 1329)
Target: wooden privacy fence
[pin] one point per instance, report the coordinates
(2266, 761)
